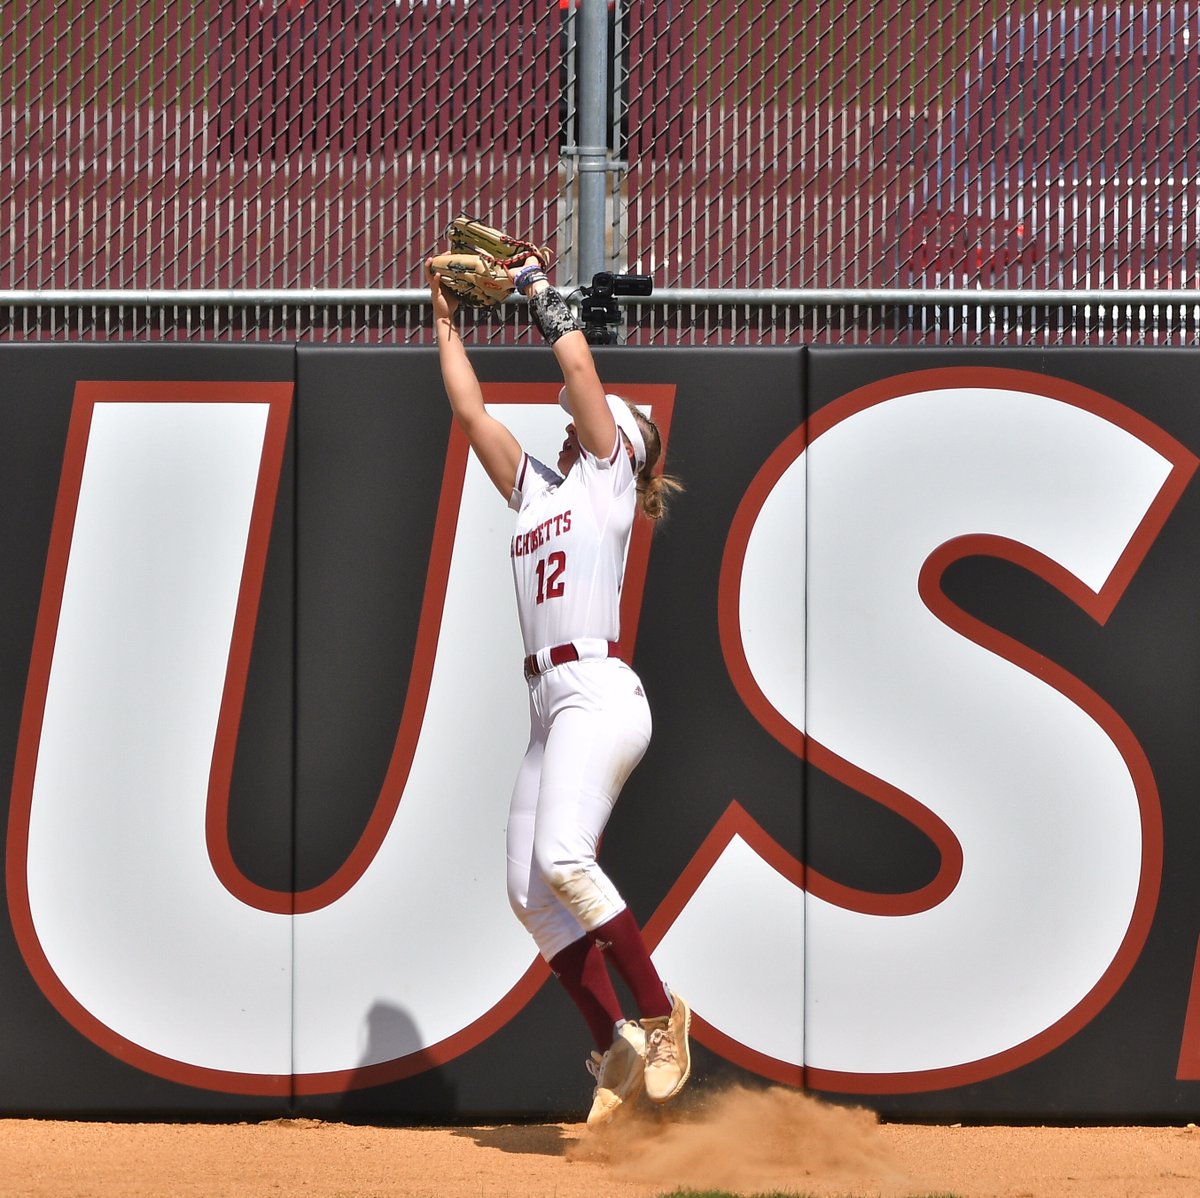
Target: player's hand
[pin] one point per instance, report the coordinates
(444, 304)
(532, 260)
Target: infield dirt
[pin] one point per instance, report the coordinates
(743, 1141)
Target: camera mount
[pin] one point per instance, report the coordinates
(601, 312)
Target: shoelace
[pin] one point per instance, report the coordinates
(595, 1064)
(660, 1048)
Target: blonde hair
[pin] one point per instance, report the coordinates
(654, 490)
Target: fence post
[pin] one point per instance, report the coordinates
(593, 83)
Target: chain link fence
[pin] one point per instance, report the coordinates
(842, 172)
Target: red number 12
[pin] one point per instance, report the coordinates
(550, 586)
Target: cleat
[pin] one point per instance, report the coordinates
(618, 1074)
(668, 1054)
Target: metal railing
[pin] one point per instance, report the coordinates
(671, 316)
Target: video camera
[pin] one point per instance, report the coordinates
(601, 312)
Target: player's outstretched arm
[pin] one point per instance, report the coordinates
(594, 424)
(497, 449)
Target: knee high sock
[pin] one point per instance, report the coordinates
(583, 974)
(621, 940)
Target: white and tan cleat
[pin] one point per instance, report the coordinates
(618, 1074)
(668, 1052)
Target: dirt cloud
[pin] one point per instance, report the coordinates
(742, 1140)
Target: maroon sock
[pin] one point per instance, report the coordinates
(581, 970)
(621, 940)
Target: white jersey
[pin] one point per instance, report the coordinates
(569, 547)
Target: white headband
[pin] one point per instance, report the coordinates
(625, 422)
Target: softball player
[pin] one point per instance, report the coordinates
(589, 719)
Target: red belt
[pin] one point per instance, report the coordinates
(560, 655)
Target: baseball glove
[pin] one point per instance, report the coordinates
(475, 268)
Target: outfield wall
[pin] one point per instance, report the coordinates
(916, 829)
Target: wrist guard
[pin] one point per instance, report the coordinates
(552, 315)
(527, 277)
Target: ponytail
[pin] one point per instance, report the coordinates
(654, 490)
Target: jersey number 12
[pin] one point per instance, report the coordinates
(549, 573)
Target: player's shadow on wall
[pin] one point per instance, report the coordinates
(426, 1092)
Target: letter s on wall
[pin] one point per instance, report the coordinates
(840, 641)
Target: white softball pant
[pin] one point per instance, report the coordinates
(589, 726)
